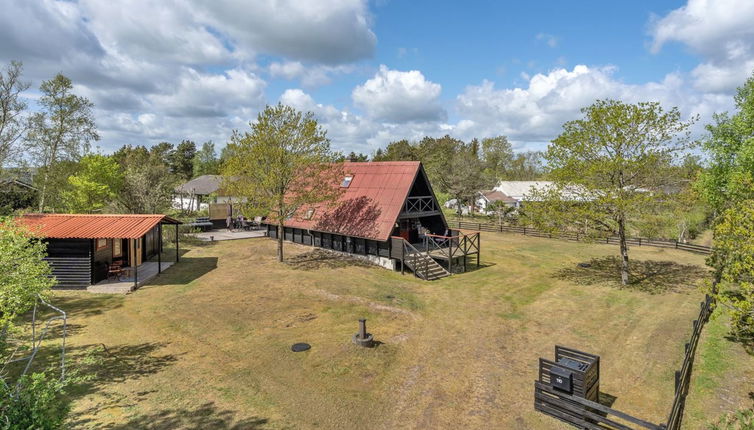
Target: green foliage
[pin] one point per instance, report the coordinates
(733, 260)
(609, 169)
(61, 131)
(205, 160)
(463, 177)
(14, 197)
(730, 149)
(12, 106)
(35, 403)
(182, 160)
(283, 164)
(147, 181)
(739, 420)
(497, 156)
(97, 182)
(23, 273)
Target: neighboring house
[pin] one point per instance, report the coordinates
(387, 214)
(199, 192)
(487, 197)
(80, 248)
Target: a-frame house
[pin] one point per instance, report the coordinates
(387, 214)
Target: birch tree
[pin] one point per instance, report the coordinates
(61, 131)
(12, 107)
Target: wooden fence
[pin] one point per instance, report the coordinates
(582, 412)
(683, 376)
(528, 231)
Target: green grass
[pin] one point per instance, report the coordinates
(207, 344)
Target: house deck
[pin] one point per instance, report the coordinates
(147, 272)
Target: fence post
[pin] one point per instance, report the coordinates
(639, 241)
(676, 244)
(524, 231)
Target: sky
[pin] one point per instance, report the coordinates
(377, 71)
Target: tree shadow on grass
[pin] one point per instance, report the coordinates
(186, 270)
(323, 259)
(654, 277)
(206, 416)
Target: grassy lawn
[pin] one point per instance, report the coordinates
(208, 344)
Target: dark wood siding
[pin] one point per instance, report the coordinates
(71, 261)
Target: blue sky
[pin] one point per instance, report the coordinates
(376, 71)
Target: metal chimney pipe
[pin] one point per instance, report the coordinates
(362, 328)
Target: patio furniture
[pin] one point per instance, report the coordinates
(115, 270)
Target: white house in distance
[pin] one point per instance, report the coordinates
(512, 193)
(199, 192)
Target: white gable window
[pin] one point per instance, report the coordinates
(309, 214)
(346, 181)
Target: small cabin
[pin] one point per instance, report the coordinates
(388, 214)
(83, 248)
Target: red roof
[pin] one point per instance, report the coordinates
(496, 195)
(82, 226)
(370, 206)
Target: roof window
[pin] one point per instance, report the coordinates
(346, 181)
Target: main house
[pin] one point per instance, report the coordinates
(388, 214)
(82, 249)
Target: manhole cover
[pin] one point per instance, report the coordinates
(298, 347)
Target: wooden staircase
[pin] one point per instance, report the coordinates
(423, 266)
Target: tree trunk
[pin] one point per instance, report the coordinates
(42, 193)
(281, 233)
(623, 251)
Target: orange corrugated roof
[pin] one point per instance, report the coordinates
(370, 206)
(100, 226)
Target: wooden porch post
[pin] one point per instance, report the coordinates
(177, 257)
(136, 263)
(159, 249)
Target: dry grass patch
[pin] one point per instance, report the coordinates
(215, 333)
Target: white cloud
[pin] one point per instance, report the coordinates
(326, 31)
(534, 115)
(310, 76)
(720, 31)
(396, 96)
(205, 95)
(549, 39)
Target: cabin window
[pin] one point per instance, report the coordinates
(346, 181)
(117, 248)
(101, 244)
(309, 214)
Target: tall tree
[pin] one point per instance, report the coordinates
(62, 130)
(205, 160)
(284, 163)
(354, 157)
(728, 186)
(12, 107)
(730, 150)
(609, 167)
(97, 182)
(147, 181)
(182, 160)
(400, 150)
(464, 177)
(497, 156)
(526, 166)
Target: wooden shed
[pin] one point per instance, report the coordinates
(82, 247)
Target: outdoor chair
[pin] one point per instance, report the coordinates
(115, 270)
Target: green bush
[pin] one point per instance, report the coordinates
(37, 403)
